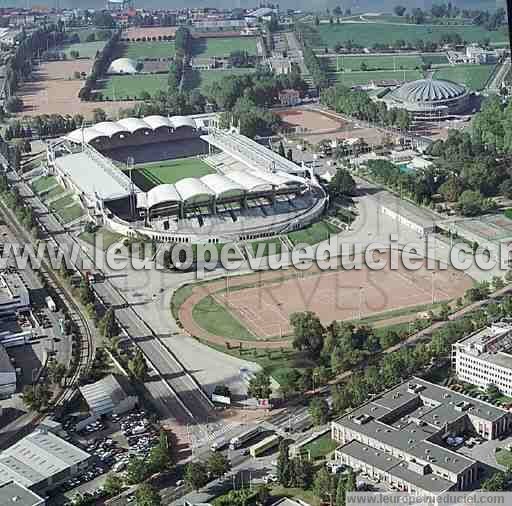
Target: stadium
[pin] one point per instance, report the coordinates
(428, 99)
(225, 186)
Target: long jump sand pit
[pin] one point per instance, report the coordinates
(264, 301)
(309, 120)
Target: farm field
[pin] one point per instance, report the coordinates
(223, 46)
(142, 50)
(203, 78)
(359, 78)
(473, 76)
(384, 62)
(132, 87)
(150, 175)
(368, 34)
(85, 49)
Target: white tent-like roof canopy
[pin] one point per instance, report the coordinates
(130, 125)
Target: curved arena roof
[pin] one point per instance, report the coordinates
(129, 125)
(429, 90)
(123, 66)
(232, 184)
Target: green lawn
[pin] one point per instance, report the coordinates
(107, 236)
(62, 202)
(306, 496)
(434, 59)
(264, 250)
(217, 320)
(313, 234)
(142, 50)
(355, 78)
(148, 176)
(371, 33)
(70, 213)
(223, 46)
(42, 184)
(504, 457)
(85, 49)
(203, 78)
(54, 192)
(321, 446)
(376, 62)
(131, 87)
(473, 76)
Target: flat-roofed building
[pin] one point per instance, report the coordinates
(401, 436)
(14, 494)
(483, 358)
(7, 375)
(14, 295)
(41, 461)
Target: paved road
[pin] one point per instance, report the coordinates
(175, 392)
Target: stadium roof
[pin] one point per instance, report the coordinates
(92, 174)
(123, 66)
(104, 395)
(37, 457)
(429, 90)
(232, 183)
(250, 153)
(129, 125)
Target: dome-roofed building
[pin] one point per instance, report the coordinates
(430, 98)
(123, 66)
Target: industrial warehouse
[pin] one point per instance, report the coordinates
(248, 191)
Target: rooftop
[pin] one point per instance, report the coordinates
(429, 90)
(396, 467)
(5, 363)
(12, 493)
(38, 456)
(93, 174)
(12, 287)
(105, 394)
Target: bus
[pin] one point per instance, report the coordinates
(264, 445)
(238, 441)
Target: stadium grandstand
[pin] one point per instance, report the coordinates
(250, 192)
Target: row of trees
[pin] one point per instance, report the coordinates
(43, 125)
(358, 104)
(100, 66)
(199, 473)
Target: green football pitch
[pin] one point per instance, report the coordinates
(149, 175)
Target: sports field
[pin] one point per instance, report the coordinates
(359, 78)
(368, 34)
(473, 76)
(434, 59)
(385, 62)
(149, 175)
(263, 302)
(143, 50)
(223, 46)
(85, 49)
(131, 87)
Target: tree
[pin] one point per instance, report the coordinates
(289, 154)
(319, 410)
(343, 183)
(492, 391)
(308, 332)
(471, 203)
(340, 493)
(281, 150)
(138, 366)
(283, 464)
(196, 475)
(317, 20)
(324, 485)
(161, 456)
(399, 10)
(99, 115)
(496, 483)
(136, 470)
(263, 494)
(259, 386)
(218, 464)
(108, 325)
(444, 312)
(113, 485)
(147, 495)
(506, 188)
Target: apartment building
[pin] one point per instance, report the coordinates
(483, 358)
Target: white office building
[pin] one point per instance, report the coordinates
(484, 357)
